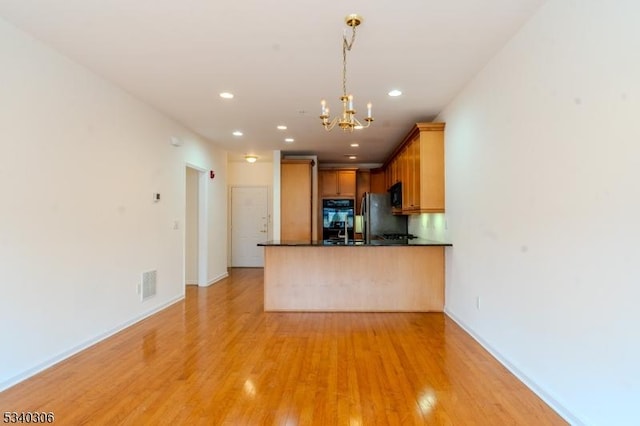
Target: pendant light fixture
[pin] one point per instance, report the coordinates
(347, 121)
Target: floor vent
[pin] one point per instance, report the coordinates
(148, 285)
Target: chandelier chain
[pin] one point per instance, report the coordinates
(346, 46)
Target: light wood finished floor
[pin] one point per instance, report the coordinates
(217, 358)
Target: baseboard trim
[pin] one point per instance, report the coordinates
(218, 278)
(84, 345)
(531, 384)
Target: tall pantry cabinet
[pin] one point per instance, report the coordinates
(296, 200)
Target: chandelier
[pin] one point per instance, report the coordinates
(347, 121)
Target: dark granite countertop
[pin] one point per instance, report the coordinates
(351, 243)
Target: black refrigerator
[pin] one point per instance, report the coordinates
(377, 218)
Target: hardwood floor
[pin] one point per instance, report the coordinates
(217, 358)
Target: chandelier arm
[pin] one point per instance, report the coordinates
(328, 126)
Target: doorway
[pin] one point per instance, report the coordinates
(195, 228)
(249, 225)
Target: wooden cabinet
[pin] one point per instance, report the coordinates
(392, 172)
(431, 168)
(405, 174)
(378, 182)
(418, 163)
(411, 177)
(363, 184)
(295, 200)
(337, 183)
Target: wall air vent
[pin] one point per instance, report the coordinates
(148, 288)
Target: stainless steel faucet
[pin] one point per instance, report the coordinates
(346, 231)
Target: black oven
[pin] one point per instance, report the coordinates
(337, 215)
(395, 193)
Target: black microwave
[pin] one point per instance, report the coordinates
(395, 192)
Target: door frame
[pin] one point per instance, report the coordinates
(202, 227)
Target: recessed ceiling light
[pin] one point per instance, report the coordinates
(282, 127)
(226, 95)
(355, 145)
(289, 140)
(395, 92)
(352, 157)
(237, 133)
(251, 158)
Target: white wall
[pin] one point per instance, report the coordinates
(242, 173)
(79, 162)
(215, 193)
(543, 207)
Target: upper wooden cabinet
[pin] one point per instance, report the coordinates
(337, 183)
(418, 163)
(378, 183)
(431, 166)
(363, 185)
(411, 177)
(392, 171)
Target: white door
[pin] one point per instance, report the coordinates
(249, 225)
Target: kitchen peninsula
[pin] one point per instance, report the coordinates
(380, 276)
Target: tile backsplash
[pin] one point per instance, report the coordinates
(431, 226)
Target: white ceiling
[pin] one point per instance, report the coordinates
(280, 59)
